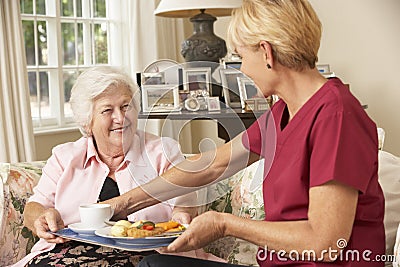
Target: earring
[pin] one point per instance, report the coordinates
(268, 66)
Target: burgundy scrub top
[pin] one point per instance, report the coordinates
(330, 138)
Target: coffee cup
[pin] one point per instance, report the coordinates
(93, 216)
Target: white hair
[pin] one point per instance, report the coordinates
(90, 84)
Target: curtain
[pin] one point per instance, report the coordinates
(16, 130)
(152, 38)
(170, 35)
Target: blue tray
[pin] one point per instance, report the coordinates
(107, 242)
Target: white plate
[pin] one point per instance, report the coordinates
(80, 229)
(150, 240)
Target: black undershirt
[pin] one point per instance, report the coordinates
(109, 190)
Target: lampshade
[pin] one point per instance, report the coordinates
(203, 45)
(189, 8)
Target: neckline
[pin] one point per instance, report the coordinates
(289, 126)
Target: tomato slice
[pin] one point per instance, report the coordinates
(146, 224)
(148, 227)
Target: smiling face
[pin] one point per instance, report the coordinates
(114, 116)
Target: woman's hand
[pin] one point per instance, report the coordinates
(49, 220)
(204, 229)
(119, 207)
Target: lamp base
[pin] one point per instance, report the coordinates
(203, 45)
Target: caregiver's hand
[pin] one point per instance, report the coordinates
(119, 207)
(204, 229)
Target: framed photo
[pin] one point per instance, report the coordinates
(151, 78)
(230, 87)
(250, 105)
(192, 104)
(160, 98)
(256, 104)
(196, 79)
(247, 90)
(213, 103)
(323, 68)
(262, 104)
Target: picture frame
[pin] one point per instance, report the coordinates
(323, 68)
(192, 104)
(256, 104)
(250, 105)
(196, 79)
(233, 63)
(152, 78)
(262, 104)
(230, 87)
(160, 98)
(247, 90)
(213, 103)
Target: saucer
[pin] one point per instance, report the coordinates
(81, 229)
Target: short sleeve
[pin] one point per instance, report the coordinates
(343, 148)
(260, 137)
(251, 138)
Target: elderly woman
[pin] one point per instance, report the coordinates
(323, 202)
(110, 159)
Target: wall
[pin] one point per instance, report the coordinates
(46, 141)
(361, 42)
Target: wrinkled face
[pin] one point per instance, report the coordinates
(114, 116)
(254, 66)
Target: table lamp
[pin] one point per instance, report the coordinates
(203, 45)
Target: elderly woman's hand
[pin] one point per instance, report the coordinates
(181, 217)
(49, 220)
(204, 229)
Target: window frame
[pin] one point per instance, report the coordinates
(55, 67)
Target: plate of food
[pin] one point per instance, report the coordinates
(142, 232)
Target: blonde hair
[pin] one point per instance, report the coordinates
(291, 27)
(90, 84)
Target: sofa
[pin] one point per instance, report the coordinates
(240, 195)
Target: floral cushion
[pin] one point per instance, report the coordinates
(17, 183)
(242, 196)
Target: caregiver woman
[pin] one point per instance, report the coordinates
(321, 190)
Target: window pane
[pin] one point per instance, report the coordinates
(100, 37)
(27, 27)
(26, 6)
(33, 95)
(45, 111)
(100, 8)
(69, 79)
(80, 44)
(42, 42)
(79, 8)
(67, 8)
(40, 105)
(68, 43)
(41, 7)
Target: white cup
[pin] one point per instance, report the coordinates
(93, 216)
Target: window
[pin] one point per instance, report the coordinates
(62, 39)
